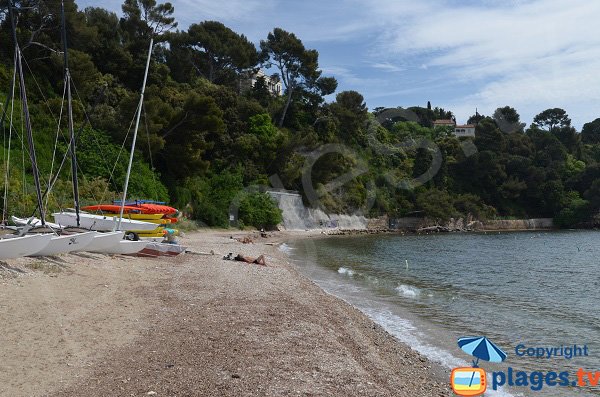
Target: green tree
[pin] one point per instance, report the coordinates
(508, 120)
(552, 118)
(259, 210)
(142, 20)
(192, 132)
(219, 50)
(350, 111)
(298, 67)
(590, 133)
(489, 137)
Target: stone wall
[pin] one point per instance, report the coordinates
(469, 224)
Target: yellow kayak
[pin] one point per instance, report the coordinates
(163, 232)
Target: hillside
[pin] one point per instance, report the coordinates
(209, 140)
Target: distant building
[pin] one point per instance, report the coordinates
(272, 82)
(467, 130)
(444, 123)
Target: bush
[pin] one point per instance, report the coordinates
(576, 212)
(259, 210)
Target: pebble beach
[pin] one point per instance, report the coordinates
(195, 325)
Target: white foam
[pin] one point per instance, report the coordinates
(346, 271)
(406, 332)
(285, 248)
(408, 291)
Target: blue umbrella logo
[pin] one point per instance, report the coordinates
(482, 349)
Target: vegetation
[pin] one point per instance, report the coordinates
(207, 139)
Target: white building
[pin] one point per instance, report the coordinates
(467, 130)
(273, 83)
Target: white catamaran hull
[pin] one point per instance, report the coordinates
(32, 221)
(66, 243)
(126, 247)
(104, 242)
(15, 247)
(154, 250)
(100, 222)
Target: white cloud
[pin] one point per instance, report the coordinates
(531, 55)
(387, 67)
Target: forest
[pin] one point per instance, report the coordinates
(209, 141)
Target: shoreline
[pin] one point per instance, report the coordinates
(195, 325)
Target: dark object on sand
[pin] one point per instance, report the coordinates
(259, 261)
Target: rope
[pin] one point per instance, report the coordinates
(39, 88)
(50, 184)
(150, 153)
(104, 163)
(7, 156)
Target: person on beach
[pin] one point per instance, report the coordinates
(259, 261)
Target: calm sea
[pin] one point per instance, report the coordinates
(531, 289)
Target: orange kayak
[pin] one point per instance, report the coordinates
(111, 208)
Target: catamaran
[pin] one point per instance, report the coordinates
(102, 222)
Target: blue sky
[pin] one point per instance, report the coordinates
(458, 54)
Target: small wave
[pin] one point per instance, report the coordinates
(346, 271)
(408, 291)
(408, 333)
(285, 248)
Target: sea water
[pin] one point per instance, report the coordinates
(530, 288)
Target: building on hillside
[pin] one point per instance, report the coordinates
(273, 83)
(444, 123)
(467, 130)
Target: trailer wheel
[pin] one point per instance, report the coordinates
(132, 236)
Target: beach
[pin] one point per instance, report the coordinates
(194, 325)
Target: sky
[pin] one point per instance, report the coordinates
(461, 55)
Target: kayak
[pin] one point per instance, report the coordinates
(111, 208)
(152, 218)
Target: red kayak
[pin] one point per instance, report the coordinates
(139, 208)
(156, 209)
(111, 208)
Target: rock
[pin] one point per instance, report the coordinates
(151, 393)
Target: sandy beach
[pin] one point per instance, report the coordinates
(194, 325)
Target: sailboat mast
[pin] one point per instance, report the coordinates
(73, 146)
(31, 144)
(135, 132)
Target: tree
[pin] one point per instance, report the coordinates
(141, 21)
(590, 133)
(105, 47)
(298, 67)
(441, 114)
(350, 112)
(508, 120)
(489, 137)
(552, 118)
(476, 118)
(220, 49)
(193, 131)
(144, 18)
